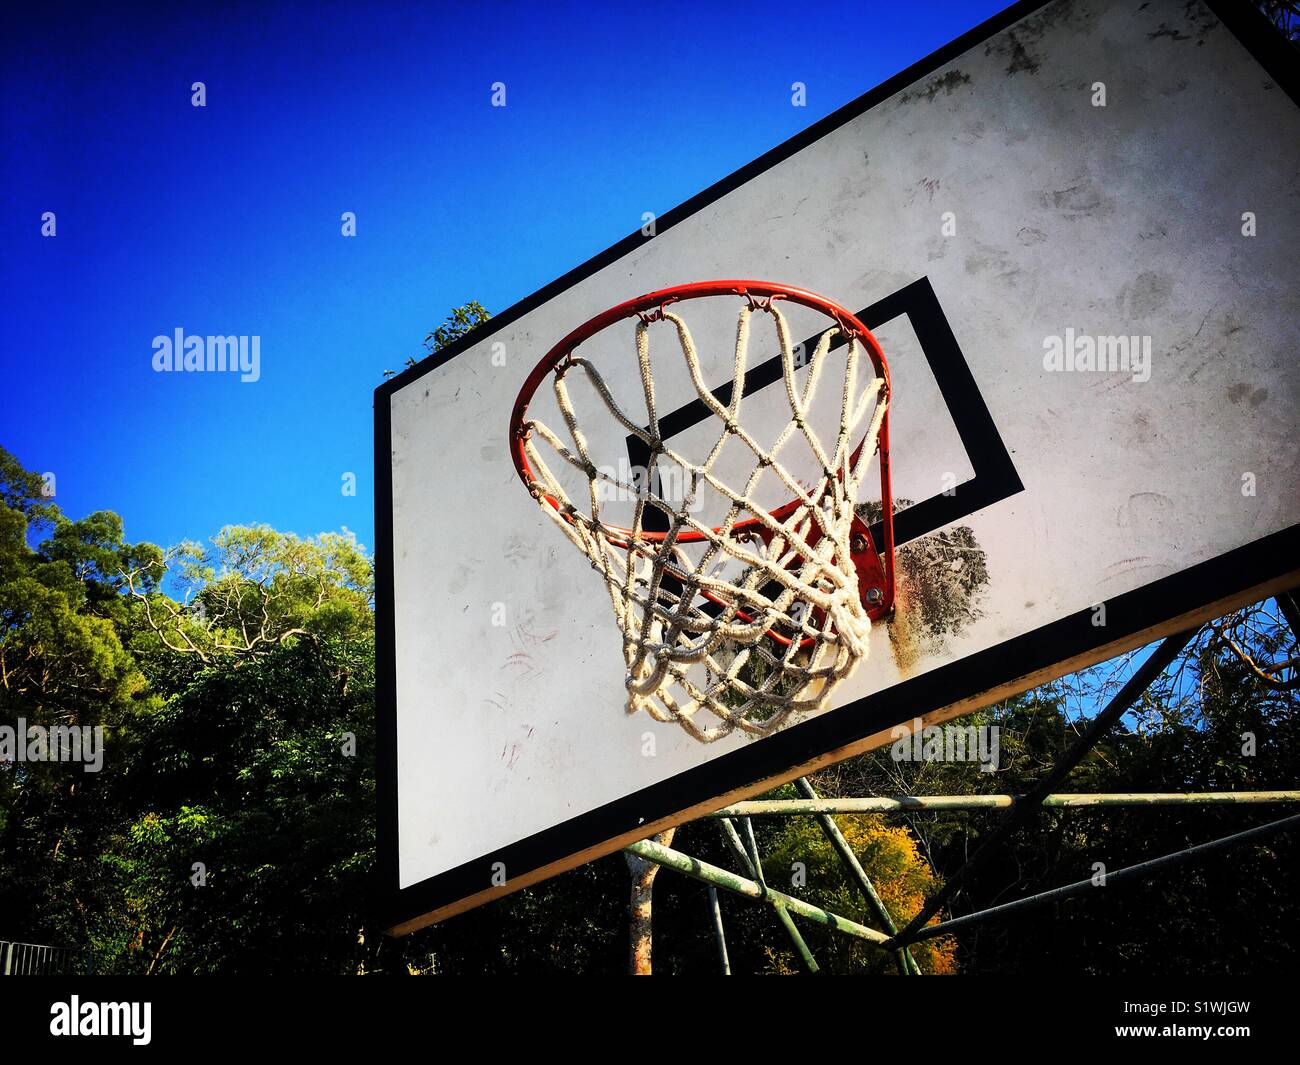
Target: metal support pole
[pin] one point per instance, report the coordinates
(640, 909)
(719, 935)
(751, 860)
(711, 874)
(742, 854)
(1061, 800)
(751, 848)
(740, 850)
(1290, 606)
(1128, 873)
(800, 944)
(902, 958)
(1156, 663)
(732, 839)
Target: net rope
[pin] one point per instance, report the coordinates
(772, 643)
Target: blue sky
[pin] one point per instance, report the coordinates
(225, 219)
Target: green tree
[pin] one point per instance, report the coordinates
(249, 833)
(460, 321)
(63, 662)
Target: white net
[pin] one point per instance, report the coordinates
(715, 650)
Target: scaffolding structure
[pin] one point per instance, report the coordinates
(736, 825)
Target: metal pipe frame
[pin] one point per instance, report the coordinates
(748, 859)
(1157, 662)
(1020, 808)
(1132, 872)
(712, 874)
(903, 957)
(719, 935)
(930, 803)
(785, 905)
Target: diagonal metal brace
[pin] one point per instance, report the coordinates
(711, 874)
(1156, 663)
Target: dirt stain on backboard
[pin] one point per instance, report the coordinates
(939, 579)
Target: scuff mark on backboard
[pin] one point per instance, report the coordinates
(940, 578)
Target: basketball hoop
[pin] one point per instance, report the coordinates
(755, 648)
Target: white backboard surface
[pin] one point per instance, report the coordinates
(971, 209)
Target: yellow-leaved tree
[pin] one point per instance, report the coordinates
(802, 857)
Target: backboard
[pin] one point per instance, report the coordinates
(1073, 231)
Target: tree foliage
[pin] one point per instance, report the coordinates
(460, 321)
(890, 857)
